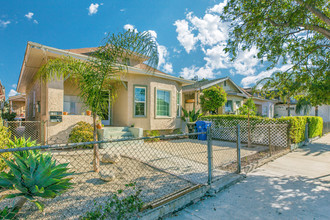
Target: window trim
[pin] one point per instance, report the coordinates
(170, 104)
(145, 102)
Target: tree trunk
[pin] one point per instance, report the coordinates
(289, 110)
(317, 110)
(96, 155)
(249, 130)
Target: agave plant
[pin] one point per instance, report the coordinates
(191, 116)
(34, 175)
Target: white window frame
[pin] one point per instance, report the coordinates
(145, 101)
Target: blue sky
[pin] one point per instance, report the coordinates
(189, 34)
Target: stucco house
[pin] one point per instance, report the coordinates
(235, 97)
(150, 100)
(17, 105)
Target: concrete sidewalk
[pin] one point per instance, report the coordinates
(295, 186)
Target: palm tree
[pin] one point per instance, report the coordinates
(102, 71)
(303, 105)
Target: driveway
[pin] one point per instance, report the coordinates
(295, 186)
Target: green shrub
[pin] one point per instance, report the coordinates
(4, 140)
(297, 124)
(315, 126)
(8, 116)
(152, 133)
(82, 132)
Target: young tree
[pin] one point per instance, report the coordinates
(213, 98)
(293, 32)
(283, 85)
(102, 71)
(248, 108)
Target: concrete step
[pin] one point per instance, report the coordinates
(111, 133)
(116, 129)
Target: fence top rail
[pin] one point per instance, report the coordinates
(267, 125)
(72, 145)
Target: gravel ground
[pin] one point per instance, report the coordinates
(89, 187)
(224, 152)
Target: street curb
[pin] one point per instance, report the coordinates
(192, 197)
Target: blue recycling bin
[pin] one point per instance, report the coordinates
(202, 127)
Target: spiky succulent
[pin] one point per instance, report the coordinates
(35, 175)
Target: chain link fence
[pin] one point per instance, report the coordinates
(27, 129)
(146, 171)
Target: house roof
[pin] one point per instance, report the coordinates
(18, 97)
(84, 51)
(200, 84)
(37, 54)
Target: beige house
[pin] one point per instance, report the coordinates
(17, 105)
(235, 95)
(150, 100)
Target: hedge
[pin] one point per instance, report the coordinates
(296, 124)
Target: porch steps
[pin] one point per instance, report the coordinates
(111, 133)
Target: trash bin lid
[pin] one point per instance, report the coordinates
(200, 123)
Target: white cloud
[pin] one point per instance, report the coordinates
(14, 86)
(123, 9)
(185, 35)
(12, 92)
(4, 24)
(211, 34)
(218, 8)
(130, 27)
(29, 15)
(35, 21)
(93, 8)
(168, 67)
(251, 80)
(203, 72)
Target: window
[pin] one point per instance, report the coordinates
(178, 104)
(229, 106)
(163, 103)
(72, 105)
(225, 83)
(140, 101)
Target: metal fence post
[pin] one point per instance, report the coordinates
(209, 155)
(238, 143)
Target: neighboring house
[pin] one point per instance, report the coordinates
(146, 99)
(265, 107)
(17, 105)
(2, 93)
(282, 110)
(235, 95)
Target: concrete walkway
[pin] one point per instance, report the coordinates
(295, 186)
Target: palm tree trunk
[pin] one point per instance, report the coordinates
(96, 154)
(317, 110)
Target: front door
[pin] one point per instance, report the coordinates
(106, 116)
